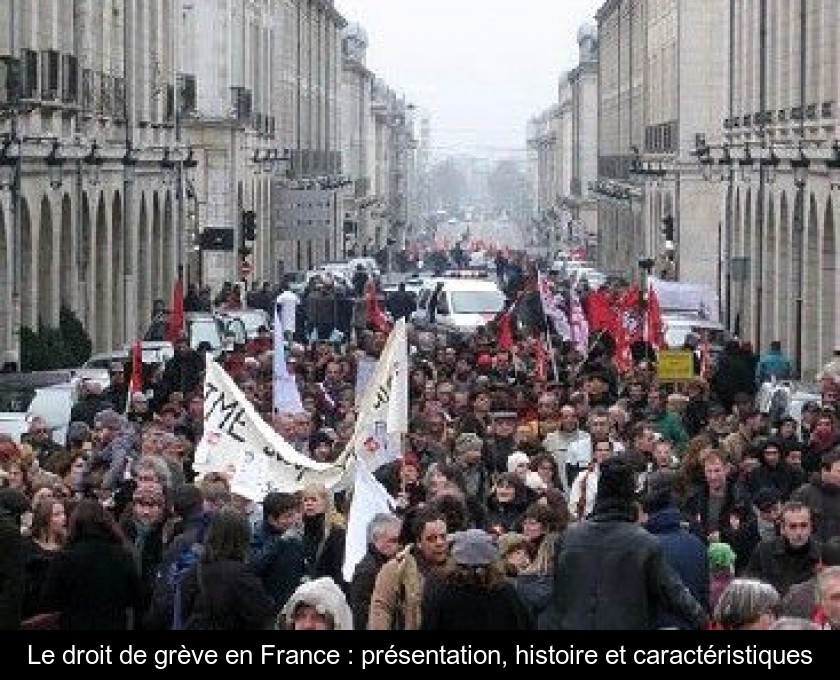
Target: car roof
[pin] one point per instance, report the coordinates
(462, 284)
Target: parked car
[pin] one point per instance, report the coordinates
(252, 320)
(50, 395)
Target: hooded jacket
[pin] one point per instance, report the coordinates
(326, 597)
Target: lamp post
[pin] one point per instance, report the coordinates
(93, 162)
(55, 165)
(799, 166)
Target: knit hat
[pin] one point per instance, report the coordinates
(468, 441)
(326, 597)
(473, 548)
(721, 557)
(511, 542)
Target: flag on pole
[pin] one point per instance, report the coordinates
(578, 324)
(383, 411)
(369, 499)
(135, 383)
(552, 309)
(286, 394)
(175, 327)
(376, 317)
(506, 331)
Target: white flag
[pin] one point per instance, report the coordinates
(552, 309)
(369, 499)
(383, 411)
(286, 394)
(242, 446)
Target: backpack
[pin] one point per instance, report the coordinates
(175, 575)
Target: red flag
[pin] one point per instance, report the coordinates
(630, 329)
(175, 327)
(655, 331)
(136, 382)
(601, 312)
(506, 332)
(376, 317)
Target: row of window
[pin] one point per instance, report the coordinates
(826, 110)
(661, 138)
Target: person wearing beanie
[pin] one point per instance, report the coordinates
(317, 605)
(468, 456)
(610, 573)
(721, 570)
(474, 594)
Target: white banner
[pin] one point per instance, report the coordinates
(369, 499)
(383, 411)
(364, 372)
(243, 447)
(286, 394)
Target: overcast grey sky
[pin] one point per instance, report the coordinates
(481, 68)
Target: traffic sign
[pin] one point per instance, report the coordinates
(246, 269)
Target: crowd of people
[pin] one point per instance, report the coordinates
(579, 497)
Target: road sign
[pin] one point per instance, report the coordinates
(246, 269)
(675, 365)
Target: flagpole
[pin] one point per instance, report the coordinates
(551, 354)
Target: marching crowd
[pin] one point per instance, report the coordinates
(578, 492)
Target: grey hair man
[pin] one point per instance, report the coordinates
(383, 543)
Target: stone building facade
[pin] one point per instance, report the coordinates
(94, 231)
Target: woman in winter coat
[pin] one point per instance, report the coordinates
(474, 594)
(93, 583)
(323, 535)
(222, 593)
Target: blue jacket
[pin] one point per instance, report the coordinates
(686, 553)
(773, 364)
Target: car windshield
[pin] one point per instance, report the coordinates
(477, 301)
(252, 321)
(205, 331)
(16, 400)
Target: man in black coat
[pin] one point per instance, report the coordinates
(383, 540)
(793, 556)
(277, 551)
(611, 574)
(401, 304)
(13, 504)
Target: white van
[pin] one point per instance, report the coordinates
(463, 306)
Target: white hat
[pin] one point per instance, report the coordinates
(326, 597)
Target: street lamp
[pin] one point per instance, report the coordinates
(129, 161)
(55, 165)
(93, 161)
(771, 163)
(168, 165)
(746, 162)
(190, 162)
(800, 165)
(8, 164)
